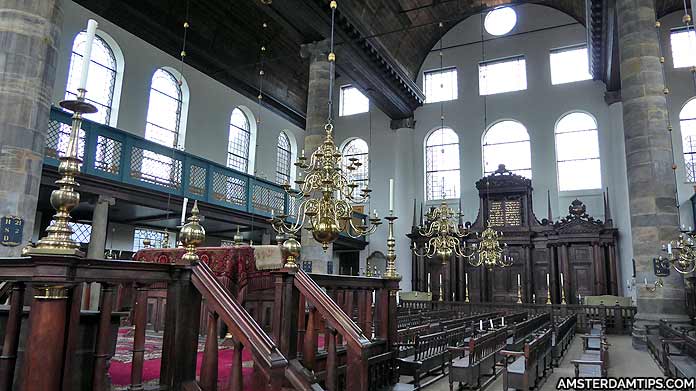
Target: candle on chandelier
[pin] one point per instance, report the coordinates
(646, 280)
(183, 211)
(391, 195)
(87, 55)
(669, 248)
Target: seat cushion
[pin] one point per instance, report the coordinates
(517, 366)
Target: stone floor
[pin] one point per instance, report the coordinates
(624, 362)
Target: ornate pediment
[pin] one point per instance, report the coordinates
(578, 221)
(502, 177)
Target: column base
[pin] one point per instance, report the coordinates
(639, 334)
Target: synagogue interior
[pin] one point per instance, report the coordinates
(347, 195)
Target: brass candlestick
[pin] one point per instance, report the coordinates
(58, 236)
(466, 294)
(441, 293)
(390, 272)
(519, 294)
(192, 235)
(563, 299)
(368, 270)
(548, 295)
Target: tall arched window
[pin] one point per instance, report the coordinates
(239, 140)
(687, 124)
(442, 165)
(283, 159)
(356, 150)
(507, 142)
(577, 152)
(164, 109)
(101, 81)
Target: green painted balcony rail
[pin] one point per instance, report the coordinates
(120, 156)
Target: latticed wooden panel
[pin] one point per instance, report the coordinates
(267, 200)
(229, 189)
(57, 140)
(197, 176)
(154, 168)
(108, 155)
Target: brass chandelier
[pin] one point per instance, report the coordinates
(323, 202)
(681, 253)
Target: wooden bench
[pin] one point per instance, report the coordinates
(470, 362)
(429, 353)
(594, 361)
(563, 333)
(673, 348)
(524, 329)
(406, 339)
(529, 364)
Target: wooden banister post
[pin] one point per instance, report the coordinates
(11, 341)
(100, 381)
(309, 351)
(181, 329)
(368, 314)
(382, 312)
(236, 380)
(331, 381)
(357, 371)
(285, 313)
(139, 325)
(43, 360)
(209, 365)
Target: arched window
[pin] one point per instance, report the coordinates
(239, 140)
(164, 109)
(442, 165)
(283, 159)
(507, 142)
(101, 80)
(577, 152)
(356, 150)
(687, 124)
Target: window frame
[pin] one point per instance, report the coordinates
(558, 160)
(342, 104)
(172, 237)
(180, 103)
(230, 153)
(682, 29)
(350, 175)
(426, 147)
(440, 71)
(281, 176)
(485, 20)
(501, 60)
(568, 49)
(688, 178)
(484, 144)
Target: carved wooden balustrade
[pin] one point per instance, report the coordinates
(616, 319)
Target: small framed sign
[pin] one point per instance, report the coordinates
(661, 267)
(11, 229)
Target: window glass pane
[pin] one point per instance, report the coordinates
(283, 155)
(353, 101)
(239, 139)
(442, 176)
(156, 238)
(357, 149)
(577, 145)
(687, 125)
(440, 85)
(500, 21)
(502, 76)
(683, 47)
(164, 109)
(569, 65)
(579, 174)
(101, 79)
(507, 142)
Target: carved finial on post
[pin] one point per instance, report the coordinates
(192, 235)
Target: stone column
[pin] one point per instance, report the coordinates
(30, 39)
(651, 184)
(97, 246)
(317, 113)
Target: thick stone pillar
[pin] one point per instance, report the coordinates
(651, 183)
(317, 113)
(29, 37)
(100, 227)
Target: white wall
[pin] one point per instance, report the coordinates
(211, 103)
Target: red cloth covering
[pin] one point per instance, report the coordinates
(230, 262)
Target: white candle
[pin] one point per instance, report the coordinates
(440, 279)
(646, 280)
(428, 282)
(373, 297)
(87, 56)
(183, 211)
(375, 213)
(547, 280)
(466, 279)
(518, 280)
(503, 322)
(669, 248)
(391, 195)
(561, 280)
(491, 323)
(480, 324)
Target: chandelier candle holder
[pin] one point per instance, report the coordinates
(64, 199)
(192, 235)
(444, 237)
(681, 253)
(491, 252)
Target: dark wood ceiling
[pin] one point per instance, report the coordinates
(381, 43)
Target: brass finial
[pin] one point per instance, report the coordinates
(192, 235)
(238, 238)
(291, 251)
(333, 4)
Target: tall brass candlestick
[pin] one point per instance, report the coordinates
(58, 236)
(548, 290)
(390, 273)
(563, 300)
(519, 290)
(466, 288)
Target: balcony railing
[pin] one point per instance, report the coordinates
(123, 157)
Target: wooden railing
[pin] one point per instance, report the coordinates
(616, 319)
(340, 311)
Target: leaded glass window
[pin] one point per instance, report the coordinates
(156, 237)
(164, 109)
(440, 85)
(357, 149)
(442, 178)
(683, 41)
(577, 153)
(82, 233)
(687, 124)
(507, 142)
(101, 79)
(499, 76)
(283, 157)
(239, 139)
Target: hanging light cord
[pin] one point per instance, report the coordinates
(332, 62)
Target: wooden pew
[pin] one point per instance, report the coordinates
(429, 353)
(406, 339)
(594, 361)
(475, 359)
(529, 364)
(674, 349)
(563, 333)
(524, 329)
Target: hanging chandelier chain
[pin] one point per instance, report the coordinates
(332, 62)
